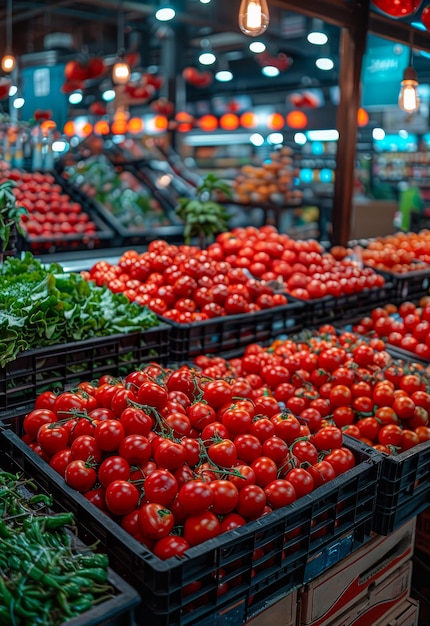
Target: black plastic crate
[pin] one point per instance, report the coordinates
(258, 560)
(329, 310)
(115, 611)
(230, 334)
(408, 285)
(404, 488)
(64, 365)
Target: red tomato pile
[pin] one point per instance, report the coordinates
(351, 383)
(302, 266)
(398, 253)
(181, 460)
(52, 213)
(406, 327)
(184, 283)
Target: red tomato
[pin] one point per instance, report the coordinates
(225, 496)
(35, 419)
(301, 480)
(121, 497)
(113, 468)
(279, 493)
(195, 497)
(80, 476)
(170, 546)
(155, 521)
(200, 528)
(161, 487)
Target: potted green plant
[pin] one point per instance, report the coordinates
(204, 216)
(10, 220)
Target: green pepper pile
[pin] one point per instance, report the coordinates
(44, 306)
(44, 578)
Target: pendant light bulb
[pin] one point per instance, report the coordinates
(121, 72)
(253, 17)
(8, 63)
(408, 96)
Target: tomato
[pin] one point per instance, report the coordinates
(136, 422)
(304, 452)
(201, 414)
(423, 433)
(312, 417)
(97, 497)
(231, 521)
(363, 405)
(67, 403)
(60, 460)
(265, 470)
(169, 454)
(343, 416)
(195, 497)
(340, 395)
(121, 497)
(386, 415)
(301, 480)
(170, 546)
(279, 493)
(35, 419)
(135, 449)
(161, 487)
(225, 496)
(104, 394)
(383, 394)
(390, 435)
(409, 439)
(327, 438)
(192, 450)
(403, 406)
(153, 395)
(262, 428)
(223, 453)
(242, 476)
(155, 521)
(52, 437)
(266, 405)
(45, 400)
(200, 528)
(340, 460)
(276, 449)
(248, 447)
(252, 501)
(113, 468)
(322, 472)
(121, 400)
(109, 435)
(85, 448)
(80, 475)
(363, 354)
(237, 421)
(217, 393)
(287, 427)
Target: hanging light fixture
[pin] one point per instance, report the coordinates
(8, 61)
(253, 17)
(408, 96)
(121, 70)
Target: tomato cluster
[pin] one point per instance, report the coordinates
(52, 212)
(184, 283)
(177, 457)
(304, 269)
(406, 326)
(399, 253)
(352, 383)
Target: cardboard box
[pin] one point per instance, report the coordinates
(281, 613)
(347, 583)
(379, 602)
(404, 615)
(422, 537)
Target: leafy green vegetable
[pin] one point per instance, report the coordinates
(42, 306)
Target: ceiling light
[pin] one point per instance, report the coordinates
(256, 139)
(205, 1)
(257, 47)
(378, 134)
(316, 35)
(253, 17)
(275, 138)
(324, 63)
(8, 61)
(300, 138)
(121, 72)
(18, 103)
(224, 76)
(207, 58)
(165, 14)
(323, 135)
(13, 90)
(75, 97)
(108, 95)
(270, 70)
(408, 96)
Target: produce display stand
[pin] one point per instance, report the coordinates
(114, 611)
(408, 285)
(230, 334)
(65, 365)
(294, 544)
(104, 237)
(328, 310)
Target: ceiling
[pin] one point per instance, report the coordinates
(70, 27)
(67, 27)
